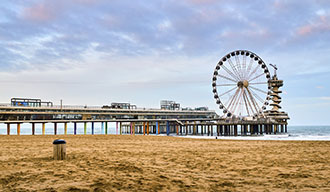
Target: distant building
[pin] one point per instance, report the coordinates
(28, 102)
(169, 105)
(119, 106)
(201, 108)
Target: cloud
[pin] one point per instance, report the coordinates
(40, 12)
(157, 46)
(319, 25)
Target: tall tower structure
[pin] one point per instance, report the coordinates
(275, 84)
(279, 116)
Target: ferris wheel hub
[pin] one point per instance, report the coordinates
(242, 84)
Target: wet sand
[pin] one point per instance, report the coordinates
(155, 163)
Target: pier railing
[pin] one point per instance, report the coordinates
(92, 107)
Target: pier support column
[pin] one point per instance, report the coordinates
(157, 128)
(167, 128)
(33, 129)
(43, 128)
(261, 131)
(106, 128)
(18, 129)
(75, 128)
(130, 128)
(177, 129)
(120, 128)
(212, 129)
(194, 128)
(65, 128)
(186, 129)
(102, 128)
(235, 130)
(8, 128)
(220, 130)
(148, 128)
(202, 128)
(144, 128)
(55, 128)
(286, 128)
(85, 128)
(92, 128)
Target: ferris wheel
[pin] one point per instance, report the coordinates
(241, 84)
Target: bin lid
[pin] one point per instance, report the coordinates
(59, 141)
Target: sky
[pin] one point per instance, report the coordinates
(94, 52)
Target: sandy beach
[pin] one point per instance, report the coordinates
(158, 163)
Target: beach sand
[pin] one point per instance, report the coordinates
(155, 163)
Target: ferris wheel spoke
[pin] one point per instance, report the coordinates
(234, 68)
(227, 91)
(253, 72)
(228, 78)
(244, 65)
(230, 98)
(257, 96)
(245, 103)
(238, 64)
(233, 98)
(232, 107)
(258, 83)
(256, 77)
(257, 89)
(256, 106)
(249, 68)
(221, 85)
(238, 100)
(230, 73)
(248, 101)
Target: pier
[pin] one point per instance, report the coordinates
(135, 121)
(242, 85)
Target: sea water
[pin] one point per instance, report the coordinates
(294, 132)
